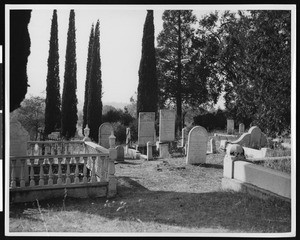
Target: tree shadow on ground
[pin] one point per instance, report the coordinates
(230, 211)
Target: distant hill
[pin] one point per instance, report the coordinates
(117, 105)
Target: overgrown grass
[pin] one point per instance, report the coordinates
(159, 196)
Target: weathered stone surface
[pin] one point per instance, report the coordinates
(149, 151)
(197, 145)
(241, 128)
(213, 145)
(146, 131)
(166, 125)
(120, 153)
(243, 140)
(230, 126)
(18, 144)
(164, 150)
(255, 137)
(105, 131)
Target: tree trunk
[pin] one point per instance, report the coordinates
(178, 88)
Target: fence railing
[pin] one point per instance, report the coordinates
(59, 169)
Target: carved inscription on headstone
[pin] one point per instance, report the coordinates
(166, 125)
(105, 131)
(197, 145)
(146, 129)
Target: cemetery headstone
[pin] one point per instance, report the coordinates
(18, 144)
(166, 125)
(105, 131)
(241, 128)
(230, 126)
(164, 150)
(146, 131)
(120, 153)
(184, 136)
(255, 137)
(213, 145)
(149, 151)
(197, 145)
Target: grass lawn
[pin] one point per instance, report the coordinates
(164, 195)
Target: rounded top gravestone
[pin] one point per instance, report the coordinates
(105, 131)
(197, 145)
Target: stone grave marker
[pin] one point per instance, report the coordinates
(120, 153)
(166, 125)
(230, 126)
(18, 144)
(241, 128)
(146, 131)
(213, 145)
(105, 131)
(255, 137)
(197, 145)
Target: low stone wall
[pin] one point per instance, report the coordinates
(240, 174)
(81, 190)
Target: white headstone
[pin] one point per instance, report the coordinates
(230, 126)
(197, 145)
(146, 131)
(105, 131)
(166, 125)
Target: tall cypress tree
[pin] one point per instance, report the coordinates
(147, 97)
(69, 99)
(53, 100)
(88, 74)
(94, 108)
(20, 40)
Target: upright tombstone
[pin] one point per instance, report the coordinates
(105, 130)
(146, 130)
(166, 125)
(213, 145)
(120, 153)
(230, 126)
(255, 137)
(197, 145)
(149, 151)
(241, 128)
(18, 145)
(184, 136)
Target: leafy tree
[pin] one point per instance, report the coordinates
(94, 108)
(253, 61)
(20, 40)
(31, 115)
(69, 98)
(182, 72)
(147, 97)
(53, 100)
(88, 74)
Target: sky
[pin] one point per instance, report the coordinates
(121, 32)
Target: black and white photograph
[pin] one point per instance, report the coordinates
(149, 120)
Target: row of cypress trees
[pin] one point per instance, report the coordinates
(61, 114)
